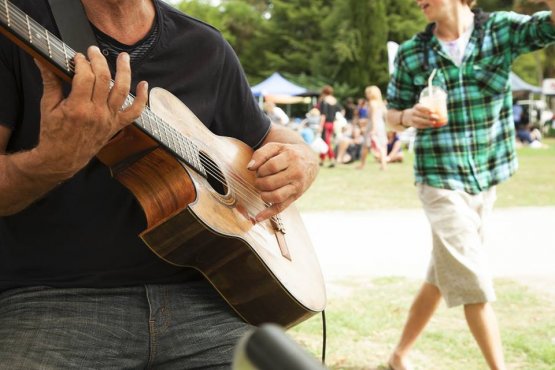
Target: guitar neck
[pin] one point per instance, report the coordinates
(36, 40)
(42, 44)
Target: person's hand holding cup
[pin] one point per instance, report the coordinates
(434, 98)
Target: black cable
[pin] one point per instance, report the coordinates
(324, 337)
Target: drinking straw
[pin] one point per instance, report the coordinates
(430, 79)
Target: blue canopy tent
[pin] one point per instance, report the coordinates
(276, 84)
(281, 91)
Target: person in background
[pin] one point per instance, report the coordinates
(306, 132)
(394, 149)
(458, 165)
(375, 133)
(349, 144)
(350, 110)
(276, 114)
(517, 114)
(329, 106)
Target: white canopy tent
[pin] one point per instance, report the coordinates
(518, 84)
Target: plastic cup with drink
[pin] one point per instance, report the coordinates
(435, 99)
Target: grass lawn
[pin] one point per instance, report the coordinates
(364, 319)
(365, 316)
(345, 188)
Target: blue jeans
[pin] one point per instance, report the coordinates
(178, 326)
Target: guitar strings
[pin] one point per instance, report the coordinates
(27, 27)
(249, 196)
(56, 46)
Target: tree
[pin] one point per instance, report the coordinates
(243, 22)
(404, 20)
(495, 5)
(293, 36)
(204, 11)
(239, 22)
(355, 35)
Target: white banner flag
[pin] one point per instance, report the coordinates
(392, 48)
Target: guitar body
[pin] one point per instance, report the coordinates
(268, 271)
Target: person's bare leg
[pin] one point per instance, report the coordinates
(383, 157)
(396, 158)
(342, 150)
(363, 156)
(423, 307)
(482, 322)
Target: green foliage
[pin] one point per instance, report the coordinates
(357, 33)
(492, 5)
(243, 21)
(337, 42)
(528, 67)
(404, 20)
(531, 186)
(545, 59)
(293, 35)
(240, 23)
(203, 11)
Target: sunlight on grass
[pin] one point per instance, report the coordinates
(346, 188)
(365, 317)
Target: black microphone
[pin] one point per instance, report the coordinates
(269, 348)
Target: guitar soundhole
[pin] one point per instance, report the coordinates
(214, 175)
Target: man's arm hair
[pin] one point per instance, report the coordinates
(21, 182)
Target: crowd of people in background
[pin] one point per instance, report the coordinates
(346, 133)
(527, 134)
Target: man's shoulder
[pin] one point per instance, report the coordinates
(178, 17)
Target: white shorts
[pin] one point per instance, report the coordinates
(459, 266)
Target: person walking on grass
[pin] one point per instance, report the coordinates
(375, 138)
(458, 165)
(329, 106)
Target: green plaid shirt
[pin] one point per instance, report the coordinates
(476, 149)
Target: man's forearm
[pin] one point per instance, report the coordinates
(22, 182)
(279, 134)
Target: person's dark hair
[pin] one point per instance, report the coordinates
(327, 90)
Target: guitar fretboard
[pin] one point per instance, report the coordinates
(14, 21)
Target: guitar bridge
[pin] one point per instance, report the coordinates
(280, 236)
(278, 224)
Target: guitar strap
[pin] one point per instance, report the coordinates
(71, 19)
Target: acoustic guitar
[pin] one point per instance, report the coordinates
(199, 199)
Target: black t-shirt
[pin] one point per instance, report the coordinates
(84, 232)
(329, 110)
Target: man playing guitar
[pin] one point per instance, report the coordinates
(78, 288)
